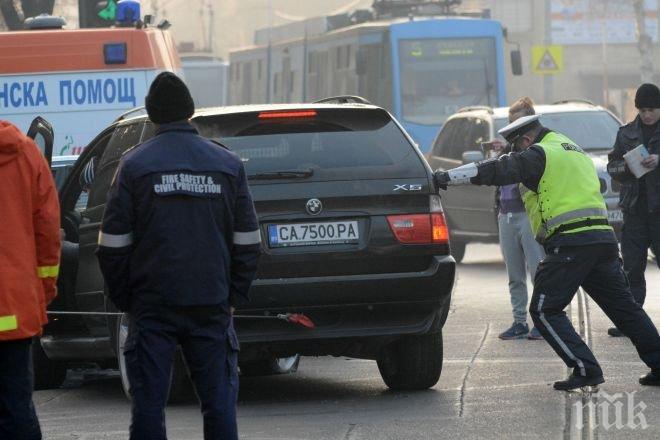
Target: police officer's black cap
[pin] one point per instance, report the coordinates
(647, 96)
(169, 99)
(519, 127)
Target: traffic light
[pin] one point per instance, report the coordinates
(97, 13)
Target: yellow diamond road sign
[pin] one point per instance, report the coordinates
(547, 60)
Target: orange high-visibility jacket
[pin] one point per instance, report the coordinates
(29, 236)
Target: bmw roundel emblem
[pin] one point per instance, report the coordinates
(314, 206)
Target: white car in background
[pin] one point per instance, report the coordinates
(470, 210)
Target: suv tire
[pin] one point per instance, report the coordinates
(457, 249)
(412, 363)
(48, 374)
(181, 388)
(269, 367)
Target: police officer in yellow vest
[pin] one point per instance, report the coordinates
(562, 198)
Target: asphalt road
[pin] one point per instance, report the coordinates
(489, 389)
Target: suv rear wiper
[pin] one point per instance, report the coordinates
(284, 174)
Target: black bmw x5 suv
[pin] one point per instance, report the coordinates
(353, 236)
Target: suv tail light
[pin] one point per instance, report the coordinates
(421, 228)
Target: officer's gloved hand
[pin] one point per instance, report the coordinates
(441, 179)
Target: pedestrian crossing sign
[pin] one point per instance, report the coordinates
(547, 60)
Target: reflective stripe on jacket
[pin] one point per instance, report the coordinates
(569, 190)
(29, 237)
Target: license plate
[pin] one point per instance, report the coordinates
(614, 216)
(309, 234)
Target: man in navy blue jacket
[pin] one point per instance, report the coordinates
(178, 248)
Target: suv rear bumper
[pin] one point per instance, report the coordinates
(351, 306)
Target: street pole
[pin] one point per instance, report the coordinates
(606, 82)
(645, 43)
(304, 67)
(211, 19)
(205, 43)
(270, 50)
(548, 93)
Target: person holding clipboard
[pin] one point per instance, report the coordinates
(634, 163)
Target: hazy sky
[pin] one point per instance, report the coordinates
(236, 20)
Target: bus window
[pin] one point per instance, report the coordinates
(438, 77)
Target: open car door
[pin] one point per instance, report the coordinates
(42, 133)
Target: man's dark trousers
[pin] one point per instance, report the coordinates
(210, 348)
(598, 269)
(640, 231)
(18, 419)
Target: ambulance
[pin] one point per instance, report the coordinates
(80, 80)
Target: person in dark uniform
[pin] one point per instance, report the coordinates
(569, 217)
(639, 198)
(178, 248)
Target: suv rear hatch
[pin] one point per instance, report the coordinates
(338, 191)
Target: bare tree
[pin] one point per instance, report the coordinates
(644, 43)
(14, 17)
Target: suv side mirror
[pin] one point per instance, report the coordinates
(41, 132)
(472, 156)
(516, 62)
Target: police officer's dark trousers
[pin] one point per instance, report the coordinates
(18, 419)
(598, 269)
(640, 231)
(210, 349)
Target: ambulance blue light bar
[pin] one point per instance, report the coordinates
(115, 53)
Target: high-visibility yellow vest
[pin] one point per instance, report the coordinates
(568, 192)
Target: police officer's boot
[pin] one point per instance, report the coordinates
(575, 381)
(652, 378)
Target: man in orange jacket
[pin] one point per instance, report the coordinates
(29, 263)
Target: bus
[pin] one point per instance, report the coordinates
(422, 69)
(80, 80)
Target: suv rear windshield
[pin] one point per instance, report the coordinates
(592, 130)
(326, 145)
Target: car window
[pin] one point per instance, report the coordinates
(60, 173)
(123, 138)
(441, 146)
(478, 133)
(457, 143)
(500, 123)
(591, 130)
(334, 144)
(148, 131)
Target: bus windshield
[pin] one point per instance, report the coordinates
(439, 76)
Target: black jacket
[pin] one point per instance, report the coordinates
(179, 227)
(629, 137)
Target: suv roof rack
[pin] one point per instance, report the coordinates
(475, 107)
(131, 112)
(574, 101)
(343, 99)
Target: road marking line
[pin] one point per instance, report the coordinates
(469, 368)
(576, 401)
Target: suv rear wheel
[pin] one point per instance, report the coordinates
(457, 249)
(271, 366)
(413, 362)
